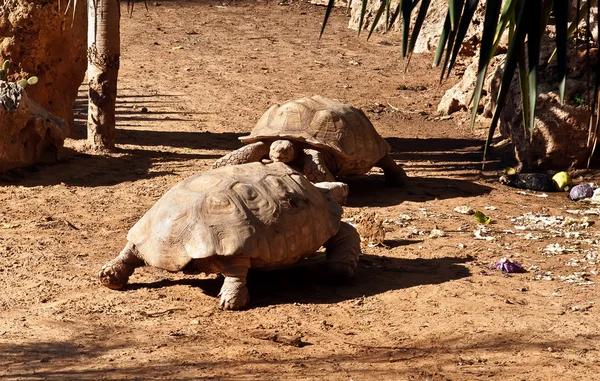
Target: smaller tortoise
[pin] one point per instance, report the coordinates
(228, 220)
(323, 137)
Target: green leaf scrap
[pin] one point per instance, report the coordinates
(482, 218)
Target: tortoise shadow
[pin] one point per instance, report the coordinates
(374, 275)
(371, 190)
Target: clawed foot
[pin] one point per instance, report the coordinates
(234, 294)
(115, 274)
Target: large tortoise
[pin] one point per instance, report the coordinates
(323, 137)
(231, 219)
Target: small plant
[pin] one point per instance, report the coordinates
(578, 99)
(29, 81)
(23, 82)
(4, 69)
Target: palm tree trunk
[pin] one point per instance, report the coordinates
(103, 68)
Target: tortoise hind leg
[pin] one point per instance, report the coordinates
(314, 167)
(234, 292)
(394, 174)
(247, 154)
(343, 250)
(115, 274)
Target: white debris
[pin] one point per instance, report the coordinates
(489, 207)
(463, 209)
(556, 249)
(479, 234)
(578, 278)
(551, 224)
(436, 233)
(595, 199)
(574, 235)
(402, 220)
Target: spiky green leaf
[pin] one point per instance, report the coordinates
(443, 40)
(463, 26)
(512, 57)
(534, 40)
(507, 13)
(458, 6)
(418, 24)
(454, 12)
(377, 17)
(561, 11)
(407, 7)
(396, 13)
(363, 11)
(486, 52)
(525, 90)
(330, 5)
(387, 14)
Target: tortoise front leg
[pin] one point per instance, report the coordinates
(115, 274)
(234, 292)
(394, 174)
(314, 167)
(247, 154)
(343, 250)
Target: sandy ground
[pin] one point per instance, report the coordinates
(424, 305)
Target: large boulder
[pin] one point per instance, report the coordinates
(560, 137)
(458, 97)
(41, 41)
(28, 133)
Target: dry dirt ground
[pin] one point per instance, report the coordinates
(196, 75)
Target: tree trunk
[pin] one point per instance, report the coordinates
(103, 68)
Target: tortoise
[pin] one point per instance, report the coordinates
(228, 220)
(323, 137)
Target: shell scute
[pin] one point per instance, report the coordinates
(341, 129)
(268, 212)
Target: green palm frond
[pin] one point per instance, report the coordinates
(525, 22)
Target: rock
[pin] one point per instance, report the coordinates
(30, 134)
(560, 136)
(581, 191)
(41, 41)
(450, 104)
(458, 96)
(337, 3)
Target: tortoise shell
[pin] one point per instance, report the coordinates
(268, 212)
(339, 128)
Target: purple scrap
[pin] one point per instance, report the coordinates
(507, 266)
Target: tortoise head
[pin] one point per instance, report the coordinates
(337, 190)
(282, 151)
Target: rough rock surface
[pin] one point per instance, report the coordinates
(458, 96)
(560, 136)
(29, 134)
(337, 3)
(432, 26)
(41, 41)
